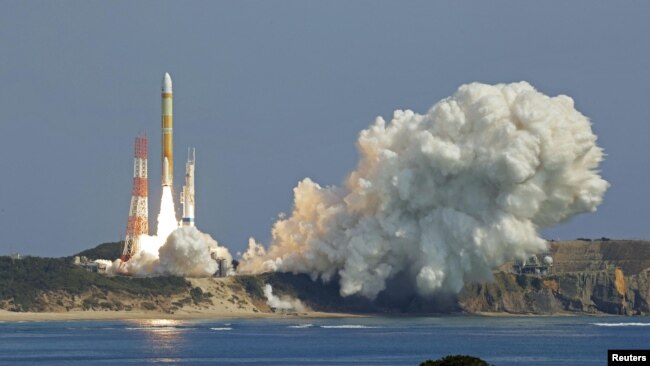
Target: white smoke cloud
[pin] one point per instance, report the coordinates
(108, 266)
(256, 253)
(186, 252)
(286, 303)
(180, 251)
(444, 197)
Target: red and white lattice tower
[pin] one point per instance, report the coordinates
(138, 223)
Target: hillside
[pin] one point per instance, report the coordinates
(104, 251)
(27, 284)
(592, 277)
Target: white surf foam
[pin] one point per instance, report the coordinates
(347, 326)
(622, 324)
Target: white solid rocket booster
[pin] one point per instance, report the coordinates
(187, 196)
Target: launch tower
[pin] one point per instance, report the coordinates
(138, 222)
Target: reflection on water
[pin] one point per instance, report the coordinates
(163, 339)
(343, 342)
(158, 322)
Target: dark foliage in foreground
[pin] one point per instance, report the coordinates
(455, 360)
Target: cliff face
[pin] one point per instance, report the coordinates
(592, 292)
(632, 256)
(599, 276)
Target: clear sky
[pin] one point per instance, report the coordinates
(270, 92)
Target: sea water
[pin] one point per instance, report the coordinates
(341, 341)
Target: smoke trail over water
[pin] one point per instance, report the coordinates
(443, 197)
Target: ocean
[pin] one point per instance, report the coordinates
(341, 341)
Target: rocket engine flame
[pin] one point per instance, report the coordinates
(444, 197)
(167, 217)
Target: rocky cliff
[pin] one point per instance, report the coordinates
(591, 292)
(588, 276)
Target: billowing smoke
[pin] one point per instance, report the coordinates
(285, 303)
(183, 251)
(444, 197)
(186, 252)
(190, 252)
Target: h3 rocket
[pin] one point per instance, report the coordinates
(167, 132)
(187, 196)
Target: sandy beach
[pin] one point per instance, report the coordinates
(9, 316)
(227, 301)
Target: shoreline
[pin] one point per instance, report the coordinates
(19, 317)
(13, 317)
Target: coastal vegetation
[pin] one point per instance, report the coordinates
(23, 282)
(106, 251)
(456, 360)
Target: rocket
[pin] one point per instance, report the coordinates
(187, 196)
(167, 132)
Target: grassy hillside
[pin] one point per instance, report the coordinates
(104, 251)
(23, 281)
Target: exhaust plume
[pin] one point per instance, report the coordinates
(180, 251)
(186, 252)
(444, 197)
(167, 215)
(285, 303)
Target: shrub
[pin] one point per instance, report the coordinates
(455, 360)
(23, 281)
(197, 295)
(148, 305)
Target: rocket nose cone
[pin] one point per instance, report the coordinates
(167, 83)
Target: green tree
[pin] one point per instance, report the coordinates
(456, 360)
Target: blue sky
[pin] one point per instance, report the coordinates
(270, 92)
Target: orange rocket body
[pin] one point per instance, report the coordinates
(167, 132)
